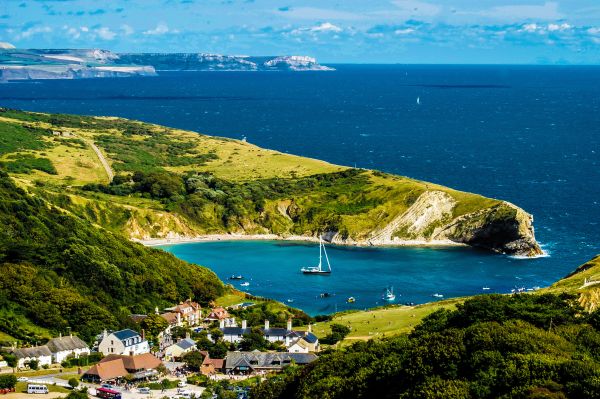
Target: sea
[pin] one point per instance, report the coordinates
(526, 134)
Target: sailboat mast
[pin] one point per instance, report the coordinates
(320, 251)
(326, 258)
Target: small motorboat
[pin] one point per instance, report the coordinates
(245, 284)
(290, 301)
(486, 288)
(437, 295)
(236, 277)
(325, 295)
(351, 300)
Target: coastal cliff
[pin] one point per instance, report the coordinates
(177, 185)
(28, 64)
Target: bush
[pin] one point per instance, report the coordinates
(8, 381)
(73, 382)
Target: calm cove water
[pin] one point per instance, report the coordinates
(530, 135)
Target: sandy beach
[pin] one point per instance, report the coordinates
(256, 237)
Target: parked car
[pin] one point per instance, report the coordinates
(182, 384)
(22, 379)
(144, 390)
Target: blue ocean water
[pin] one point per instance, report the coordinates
(527, 134)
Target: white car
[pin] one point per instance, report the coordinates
(182, 384)
(22, 379)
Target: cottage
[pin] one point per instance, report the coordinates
(177, 350)
(124, 342)
(117, 366)
(41, 354)
(64, 347)
(189, 312)
(211, 366)
(217, 314)
(253, 362)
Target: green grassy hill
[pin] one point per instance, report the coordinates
(173, 183)
(59, 271)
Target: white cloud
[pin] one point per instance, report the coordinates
(325, 27)
(160, 29)
(593, 31)
(557, 27)
(36, 30)
(406, 31)
(105, 33)
(530, 27)
(126, 29)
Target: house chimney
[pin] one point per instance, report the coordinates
(60, 335)
(104, 333)
(143, 335)
(289, 324)
(266, 324)
(187, 334)
(222, 323)
(243, 324)
(156, 310)
(309, 327)
(178, 319)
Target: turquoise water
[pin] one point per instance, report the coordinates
(273, 270)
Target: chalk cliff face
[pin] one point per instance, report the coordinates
(503, 228)
(19, 64)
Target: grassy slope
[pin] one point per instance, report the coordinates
(589, 296)
(364, 204)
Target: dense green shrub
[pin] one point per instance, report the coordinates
(493, 346)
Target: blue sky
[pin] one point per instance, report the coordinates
(368, 31)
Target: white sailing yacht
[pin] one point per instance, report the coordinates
(319, 268)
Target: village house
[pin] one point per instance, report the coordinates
(211, 366)
(294, 341)
(256, 362)
(124, 342)
(55, 351)
(113, 367)
(177, 350)
(41, 354)
(70, 346)
(190, 312)
(217, 314)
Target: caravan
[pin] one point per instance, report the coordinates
(35, 388)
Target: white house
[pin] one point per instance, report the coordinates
(40, 353)
(124, 342)
(63, 347)
(294, 341)
(180, 348)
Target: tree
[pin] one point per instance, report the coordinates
(254, 340)
(193, 360)
(161, 369)
(338, 333)
(73, 382)
(178, 332)
(154, 324)
(8, 381)
(33, 364)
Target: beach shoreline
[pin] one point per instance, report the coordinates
(154, 242)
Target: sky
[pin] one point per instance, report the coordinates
(333, 31)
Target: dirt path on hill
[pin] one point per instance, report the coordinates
(103, 160)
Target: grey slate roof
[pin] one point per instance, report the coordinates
(125, 334)
(186, 343)
(266, 360)
(35, 351)
(310, 338)
(235, 330)
(275, 332)
(66, 344)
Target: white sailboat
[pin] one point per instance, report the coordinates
(389, 295)
(319, 268)
(418, 100)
